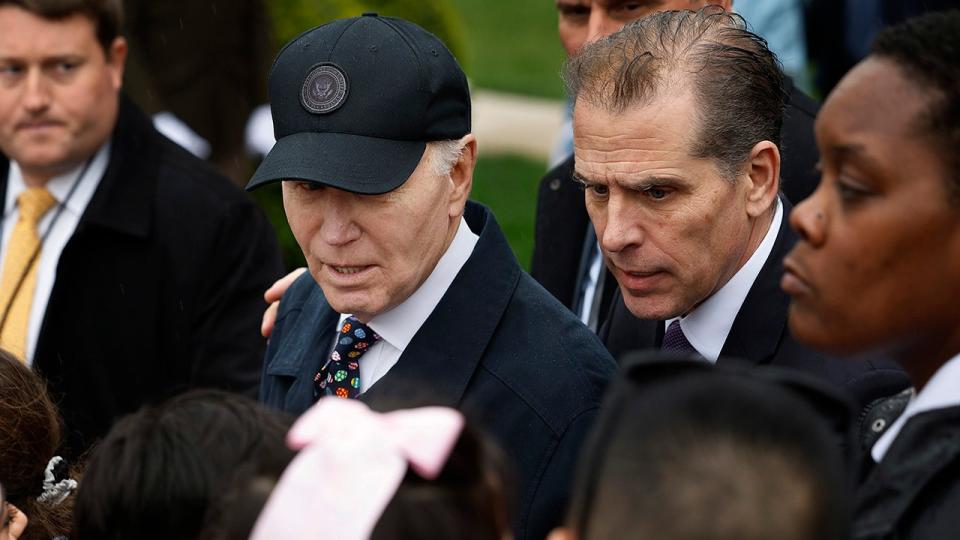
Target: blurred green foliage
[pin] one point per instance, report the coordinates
(512, 46)
(508, 186)
(292, 17)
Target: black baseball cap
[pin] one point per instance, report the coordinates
(355, 101)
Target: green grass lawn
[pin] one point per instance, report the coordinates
(506, 184)
(512, 46)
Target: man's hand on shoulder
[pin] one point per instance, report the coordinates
(273, 296)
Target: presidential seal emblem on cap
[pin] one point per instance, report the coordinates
(324, 90)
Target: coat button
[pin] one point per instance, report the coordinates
(878, 425)
(555, 184)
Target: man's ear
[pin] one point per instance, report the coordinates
(116, 60)
(461, 175)
(763, 173)
(561, 533)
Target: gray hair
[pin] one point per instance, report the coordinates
(443, 156)
(735, 79)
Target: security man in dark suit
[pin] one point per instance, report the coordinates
(686, 204)
(566, 260)
(131, 270)
(413, 290)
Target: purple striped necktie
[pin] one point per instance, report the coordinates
(675, 342)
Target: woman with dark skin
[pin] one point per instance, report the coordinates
(877, 266)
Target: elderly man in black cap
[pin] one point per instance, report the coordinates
(413, 290)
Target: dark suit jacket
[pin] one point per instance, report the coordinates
(760, 335)
(914, 493)
(159, 288)
(562, 221)
(497, 346)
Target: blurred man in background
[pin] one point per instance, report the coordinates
(130, 268)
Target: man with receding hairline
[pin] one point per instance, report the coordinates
(687, 206)
(566, 260)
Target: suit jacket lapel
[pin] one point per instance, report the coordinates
(761, 321)
(124, 199)
(444, 354)
(303, 349)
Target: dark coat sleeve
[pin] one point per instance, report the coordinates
(798, 146)
(243, 261)
(552, 495)
(560, 228)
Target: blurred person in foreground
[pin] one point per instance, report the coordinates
(39, 483)
(162, 472)
(877, 264)
(412, 288)
(426, 474)
(683, 450)
(130, 269)
(687, 205)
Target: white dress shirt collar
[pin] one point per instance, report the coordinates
(56, 229)
(398, 325)
(60, 186)
(940, 392)
(708, 325)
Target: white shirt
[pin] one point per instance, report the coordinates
(398, 325)
(590, 288)
(707, 326)
(941, 391)
(59, 235)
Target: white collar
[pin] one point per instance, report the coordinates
(398, 325)
(941, 391)
(59, 186)
(708, 325)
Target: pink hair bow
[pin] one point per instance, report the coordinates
(351, 462)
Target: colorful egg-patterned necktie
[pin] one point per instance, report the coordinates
(341, 375)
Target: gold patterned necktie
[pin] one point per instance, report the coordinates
(20, 268)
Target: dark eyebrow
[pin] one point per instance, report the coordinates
(645, 182)
(854, 151)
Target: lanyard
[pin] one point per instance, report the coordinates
(36, 253)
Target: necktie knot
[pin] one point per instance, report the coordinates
(33, 203)
(675, 341)
(340, 376)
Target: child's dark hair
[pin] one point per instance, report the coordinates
(30, 435)
(468, 500)
(161, 472)
(710, 456)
